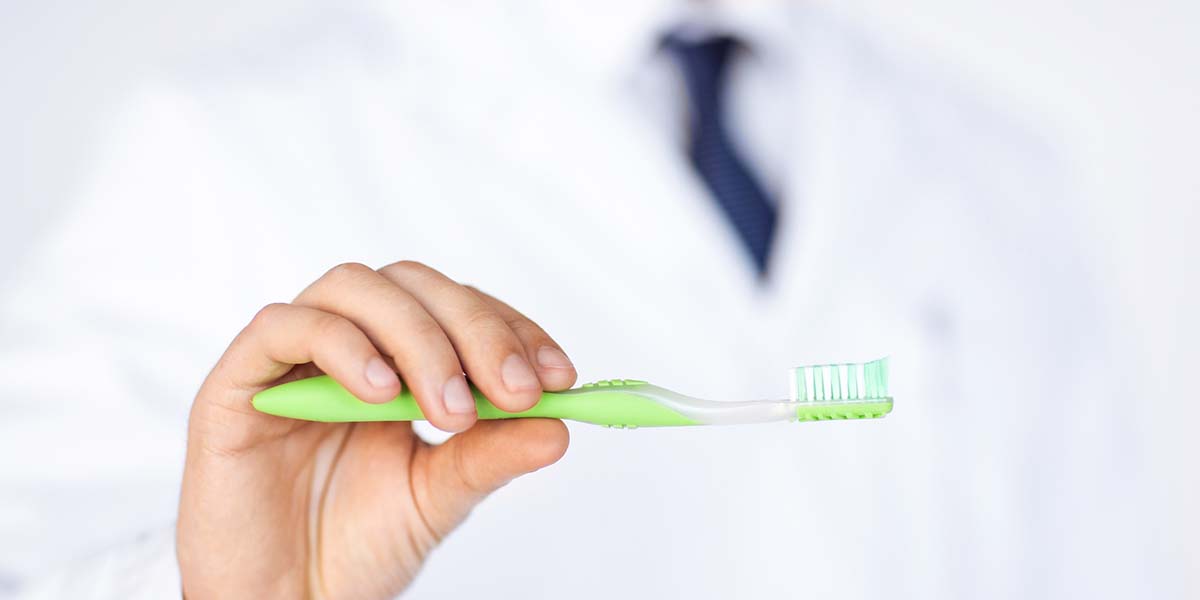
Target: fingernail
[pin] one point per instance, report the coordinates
(379, 374)
(517, 375)
(552, 358)
(457, 396)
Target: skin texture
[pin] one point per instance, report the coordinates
(276, 508)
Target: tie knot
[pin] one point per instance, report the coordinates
(702, 62)
(705, 50)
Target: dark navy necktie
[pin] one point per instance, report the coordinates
(711, 149)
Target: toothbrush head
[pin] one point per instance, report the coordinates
(841, 391)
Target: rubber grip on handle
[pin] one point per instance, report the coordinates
(323, 399)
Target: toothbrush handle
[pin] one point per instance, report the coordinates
(323, 399)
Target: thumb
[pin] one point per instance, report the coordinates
(450, 479)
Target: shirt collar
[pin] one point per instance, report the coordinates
(607, 41)
(625, 43)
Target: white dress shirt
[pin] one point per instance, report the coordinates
(531, 149)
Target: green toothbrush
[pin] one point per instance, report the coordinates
(819, 392)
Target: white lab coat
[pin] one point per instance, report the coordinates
(499, 145)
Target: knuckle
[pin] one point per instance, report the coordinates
(268, 315)
(407, 266)
(465, 474)
(348, 271)
(330, 326)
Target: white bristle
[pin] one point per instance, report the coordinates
(839, 382)
(852, 386)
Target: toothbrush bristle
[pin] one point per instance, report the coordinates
(847, 382)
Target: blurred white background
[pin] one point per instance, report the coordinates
(1116, 85)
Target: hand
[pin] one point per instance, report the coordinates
(276, 508)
